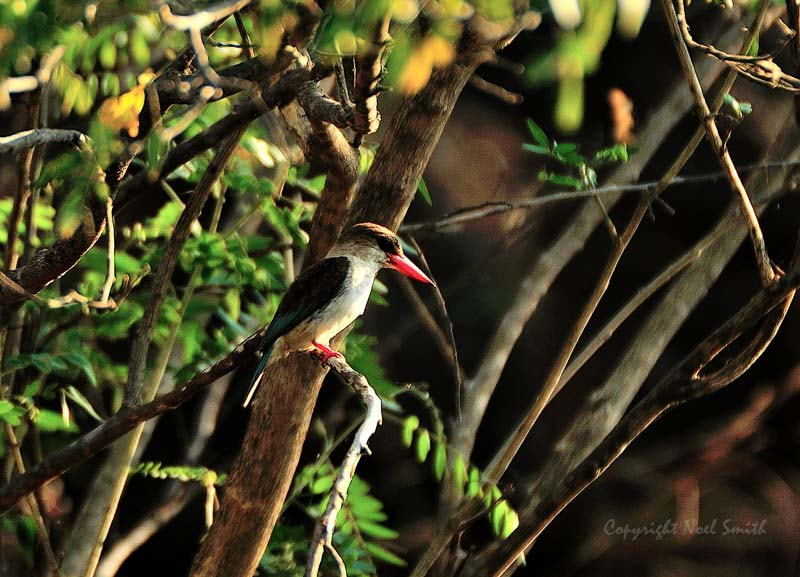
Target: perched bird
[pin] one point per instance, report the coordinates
(330, 295)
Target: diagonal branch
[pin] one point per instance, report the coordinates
(766, 310)
(90, 444)
(712, 133)
(94, 519)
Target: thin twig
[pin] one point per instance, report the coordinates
(766, 310)
(196, 38)
(323, 532)
(487, 209)
(38, 136)
(641, 296)
(18, 84)
(479, 389)
(110, 275)
(24, 188)
(455, 364)
(367, 82)
(761, 69)
(502, 94)
(247, 45)
(32, 502)
(202, 18)
(756, 236)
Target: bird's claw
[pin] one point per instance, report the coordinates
(325, 353)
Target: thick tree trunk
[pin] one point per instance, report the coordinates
(263, 471)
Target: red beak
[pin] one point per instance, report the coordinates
(408, 268)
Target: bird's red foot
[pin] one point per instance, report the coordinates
(326, 352)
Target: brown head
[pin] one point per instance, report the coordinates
(378, 244)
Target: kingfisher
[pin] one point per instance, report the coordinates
(330, 295)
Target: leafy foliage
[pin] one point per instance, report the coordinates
(431, 446)
(580, 171)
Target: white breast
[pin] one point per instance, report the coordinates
(350, 305)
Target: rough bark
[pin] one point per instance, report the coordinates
(282, 410)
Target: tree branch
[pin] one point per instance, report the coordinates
(706, 117)
(367, 84)
(91, 443)
(36, 137)
(323, 532)
(94, 519)
(263, 470)
(767, 309)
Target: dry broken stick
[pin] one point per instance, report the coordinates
(323, 532)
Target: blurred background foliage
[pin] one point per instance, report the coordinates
(70, 362)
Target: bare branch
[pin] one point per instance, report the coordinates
(32, 502)
(478, 390)
(18, 84)
(749, 213)
(761, 69)
(502, 94)
(323, 532)
(367, 83)
(202, 18)
(458, 217)
(36, 137)
(767, 309)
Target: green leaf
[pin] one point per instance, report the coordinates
(78, 398)
(422, 190)
(616, 153)
(561, 180)
(565, 148)
(497, 516)
(108, 54)
(536, 149)
(140, 51)
(410, 424)
(321, 485)
(439, 461)
(753, 49)
(538, 134)
(82, 362)
(44, 362)
(459, 471)
(11, 413)
(510, 523)
(376, 530)
(474, 483)
(381, 554)
(49, 422)
(423, 445)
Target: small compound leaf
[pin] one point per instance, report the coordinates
(538, 134)
(77, 397)
(423, 445)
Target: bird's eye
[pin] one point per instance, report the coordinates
(386, 245)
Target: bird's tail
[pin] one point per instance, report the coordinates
(258, 375)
